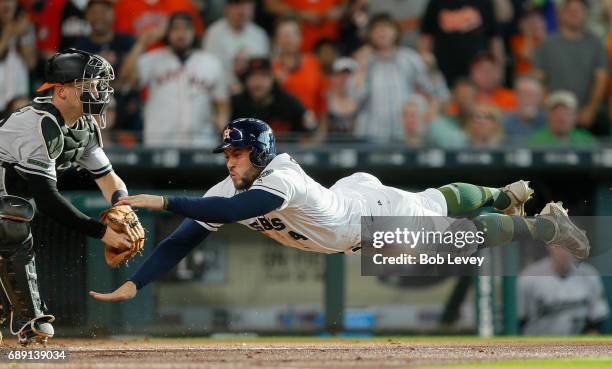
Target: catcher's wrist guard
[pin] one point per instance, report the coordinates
(117, 195)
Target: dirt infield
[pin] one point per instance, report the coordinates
(307, 353)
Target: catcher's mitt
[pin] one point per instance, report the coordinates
(123, 219)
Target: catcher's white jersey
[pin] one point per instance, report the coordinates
(22, 145)
(314, 218)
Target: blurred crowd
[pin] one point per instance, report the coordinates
(419, 73)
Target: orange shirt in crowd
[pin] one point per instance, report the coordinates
(48, 26)
(503, 98)
(135, 16)
(312, 33)
(304, 82)
(518, 43)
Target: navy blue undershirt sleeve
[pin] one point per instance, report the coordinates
(189, 234)
(170, 252)
(225, 210)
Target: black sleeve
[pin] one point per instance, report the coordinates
(429, 25)
(492, 28)
(51, 203)
(225, 210)
(170, 252)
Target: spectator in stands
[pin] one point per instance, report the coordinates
(463, 100)
(298, 73)
(235, 38)
(264, 99)
(342, 108)
(187, 94)
(388, 74)
(102, 39)
(574, 59)
(529, 115)
(456, 31)
(532, 32)
(406, 13)
(556, 297)
(135, 17)
(14, 79)
(446, 130)
(317, 19)
(60, 23)
(485, 128)
(561, 131)
(414, 115)
(17, 33)
(113, 47)
(327, 52)
(353, 26)
(487, 74)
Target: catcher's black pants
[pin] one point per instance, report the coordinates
(18, 279)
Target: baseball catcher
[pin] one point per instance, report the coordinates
(37, 144)
(271, 194)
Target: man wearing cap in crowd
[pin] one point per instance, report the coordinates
(342, 107)
(113, 47)
(264, 99)
(235, 38)
(561, 131)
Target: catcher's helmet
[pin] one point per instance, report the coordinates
(250, 132)
(72, 65)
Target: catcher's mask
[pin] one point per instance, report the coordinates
(90, 73)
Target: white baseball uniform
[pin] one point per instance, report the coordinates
(314, 218)
(554, 305)
(179, 109)
(22, 146)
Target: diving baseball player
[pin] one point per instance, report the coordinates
(37, 144)
(271, 194)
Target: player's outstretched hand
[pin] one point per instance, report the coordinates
(126, 292)
(143, 201)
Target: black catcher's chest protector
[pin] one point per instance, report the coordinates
(67, 145)
(76, 139)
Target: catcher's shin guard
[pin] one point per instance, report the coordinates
(19, 284)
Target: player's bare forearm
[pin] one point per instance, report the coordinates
(152, 202)
(109, 184)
